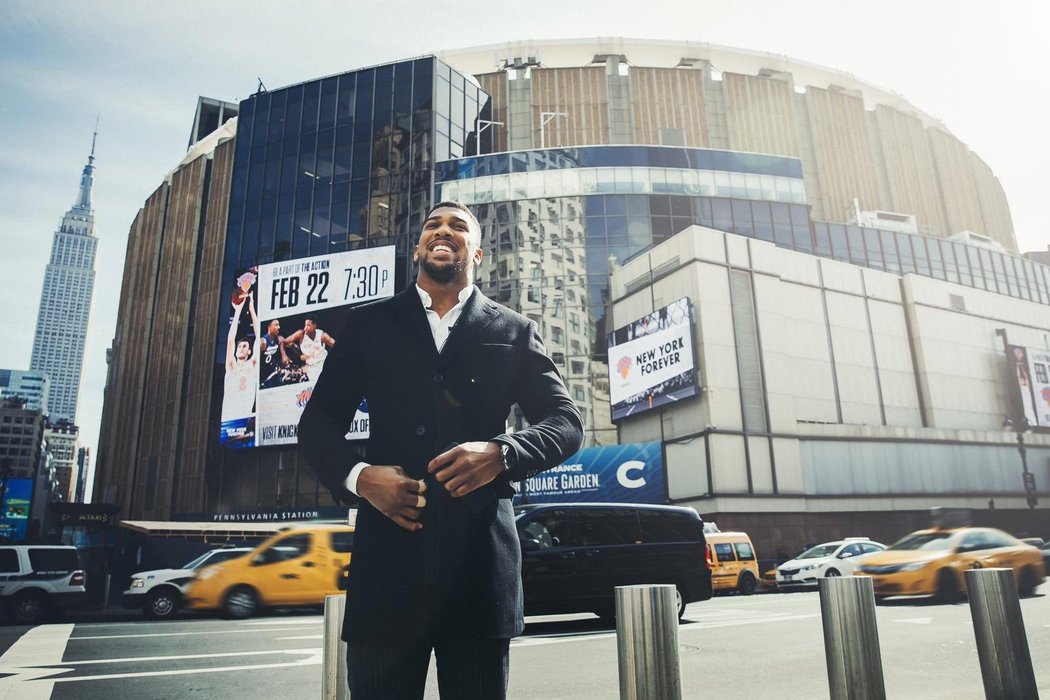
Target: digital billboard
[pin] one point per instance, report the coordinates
(1030, 375)
(651, 361)
(631, 473)
(14, 518)
(285, 318)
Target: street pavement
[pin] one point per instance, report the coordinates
(730, 647)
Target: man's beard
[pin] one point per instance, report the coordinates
(443, 273)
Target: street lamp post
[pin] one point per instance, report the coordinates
(1027, 476)
(481, 125)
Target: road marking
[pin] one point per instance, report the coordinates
(314, 659)
(249, 630)
(917, 620)
(40, 646)
(316, 621)
(183, 657)
(562, 637)
(305, 636)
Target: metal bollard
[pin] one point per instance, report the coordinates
(1002, 645)
(647, 642)
(851, 638)
(333, 659)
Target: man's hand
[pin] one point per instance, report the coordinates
(393, 494)
(467, 467)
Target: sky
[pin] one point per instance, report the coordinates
(139, 66)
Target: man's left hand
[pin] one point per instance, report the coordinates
(467, 467)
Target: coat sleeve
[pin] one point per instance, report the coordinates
(556, 426)
(328, 415)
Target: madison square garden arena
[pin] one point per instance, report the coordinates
(779, 295)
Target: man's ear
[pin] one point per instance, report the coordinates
(415, 253)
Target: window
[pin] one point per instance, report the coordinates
(662, 527)
(850, 551)
(550, 529)
(9, 561)
(605, 526)
(54, 561)
(744, 552)
(283, 550)
(724, 552)
(342, 541)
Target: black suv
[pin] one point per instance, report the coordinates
(575, 554)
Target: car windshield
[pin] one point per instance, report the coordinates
(197, 562)
(821, 550)
(923, 540)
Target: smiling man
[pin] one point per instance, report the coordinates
(436, 562)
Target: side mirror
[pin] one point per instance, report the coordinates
(845, 555)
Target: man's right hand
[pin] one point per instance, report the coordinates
(393, 494)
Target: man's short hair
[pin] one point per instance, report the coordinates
(461, 207)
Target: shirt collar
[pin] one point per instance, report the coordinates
(424, 295)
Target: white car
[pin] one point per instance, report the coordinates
(34, 579)
(837, 558)
(158, 593)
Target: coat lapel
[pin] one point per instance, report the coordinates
(408, 311)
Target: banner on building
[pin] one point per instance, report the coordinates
(1030, 375)
(631, 473)
(651, 361)
(14, 519)
(284, 319)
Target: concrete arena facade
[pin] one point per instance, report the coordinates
(354, 160)
(861, 146)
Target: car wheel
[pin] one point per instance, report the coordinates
(831, 573)
(162, 604)
(747, 583)
(1027, 584)
(28, 607)
(241, 602)
(947, 587)
(679, 601)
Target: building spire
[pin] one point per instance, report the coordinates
(88, 177)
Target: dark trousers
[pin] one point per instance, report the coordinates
(467, 669)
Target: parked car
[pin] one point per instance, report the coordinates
(933, 562)
(838, 558)
(38, 579)
(159, 593)
(295, 567)
(574, 555)
(734, 564)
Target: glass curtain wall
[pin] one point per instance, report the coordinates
(331, 165)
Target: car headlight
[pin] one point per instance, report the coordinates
(138, 582)
(810, 567)
(915, 566)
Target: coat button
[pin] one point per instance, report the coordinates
(421, 430)
(439, 377)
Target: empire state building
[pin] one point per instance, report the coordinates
(65, 303)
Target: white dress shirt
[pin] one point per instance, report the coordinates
(440, 327)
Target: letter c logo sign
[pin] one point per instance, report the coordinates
(626, 481)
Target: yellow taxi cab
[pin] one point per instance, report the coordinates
(933, 562)
(734, 565)
(298, 566)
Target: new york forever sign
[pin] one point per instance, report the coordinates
(639, 365)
